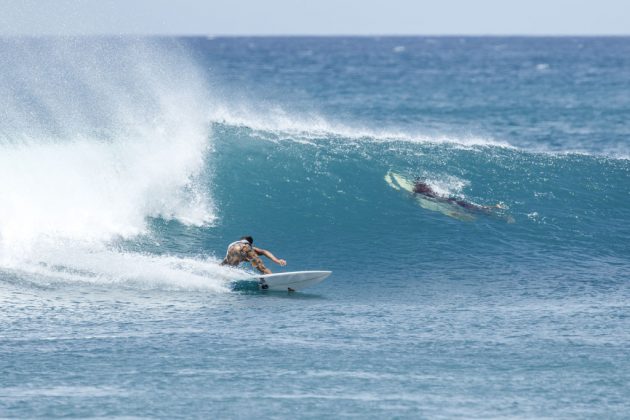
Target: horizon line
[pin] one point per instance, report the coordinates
(283, 35)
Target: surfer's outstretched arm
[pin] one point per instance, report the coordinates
(252, 256)
(269, 255)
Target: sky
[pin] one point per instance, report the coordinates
(314, 17)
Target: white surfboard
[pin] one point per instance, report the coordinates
(291, 281)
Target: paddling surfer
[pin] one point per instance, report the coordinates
(425, 189)
(244, 250)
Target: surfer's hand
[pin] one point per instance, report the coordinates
(282, 262)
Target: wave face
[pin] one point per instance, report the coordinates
(329, 196)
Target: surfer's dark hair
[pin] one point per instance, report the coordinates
(248, 239)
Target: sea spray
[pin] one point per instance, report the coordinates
(97, 136)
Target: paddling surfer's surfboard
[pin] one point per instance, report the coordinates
(399, 182)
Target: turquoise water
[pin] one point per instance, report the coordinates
(127, 166)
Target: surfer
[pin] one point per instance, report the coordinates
(244, 250)
(425, 189)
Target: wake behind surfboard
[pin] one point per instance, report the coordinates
(283, 282)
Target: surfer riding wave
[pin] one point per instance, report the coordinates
(243, 250)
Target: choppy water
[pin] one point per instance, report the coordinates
(126, 166)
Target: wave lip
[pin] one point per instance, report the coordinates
(275, 123)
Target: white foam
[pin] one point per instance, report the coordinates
(88, 190)
(73, 263)
(446, 185)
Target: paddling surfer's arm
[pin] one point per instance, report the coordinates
(269, 255)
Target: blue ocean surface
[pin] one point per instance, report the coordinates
(128, 165)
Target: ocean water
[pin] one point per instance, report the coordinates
(127, 166)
